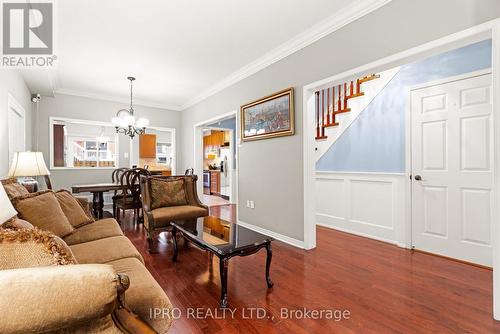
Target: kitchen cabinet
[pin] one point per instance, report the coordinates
(214, 182)
(215, 139)
(147, 146)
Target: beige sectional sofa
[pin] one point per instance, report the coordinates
(109, 275)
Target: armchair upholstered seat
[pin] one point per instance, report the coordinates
(159, 219)
(164, 216)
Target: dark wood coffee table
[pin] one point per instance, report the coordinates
(225, 240)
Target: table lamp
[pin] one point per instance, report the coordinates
(7, 211)
(29, 164)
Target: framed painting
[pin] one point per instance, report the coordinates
(269, 117)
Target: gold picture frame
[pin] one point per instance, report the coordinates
(269, 117)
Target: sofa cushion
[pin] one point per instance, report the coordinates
(105, 250)
(164, 216)
(24, 248)
(144, 293)
(14, 189)
(72, 209)
(167, 192)
(99, 229)
(43, 211)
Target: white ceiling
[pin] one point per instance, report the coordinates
(179, 51)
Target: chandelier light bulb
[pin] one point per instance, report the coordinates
(142, 122)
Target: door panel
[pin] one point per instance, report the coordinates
(452, 152)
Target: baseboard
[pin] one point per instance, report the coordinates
(291, 241)
(361, 234)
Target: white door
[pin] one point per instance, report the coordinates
(452, 154)
(16, 124)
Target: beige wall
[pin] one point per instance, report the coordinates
(270, 171)
(97, 110)
(12, 82)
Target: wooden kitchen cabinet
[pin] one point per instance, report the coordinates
(147, 146)
(215, 182)
(215, 139)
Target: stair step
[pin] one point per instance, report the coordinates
(356, 95)
(369, 77)
(330, 124)
(341, 111)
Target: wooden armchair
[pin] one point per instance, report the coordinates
(159, 219)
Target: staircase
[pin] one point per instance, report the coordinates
(338, 106)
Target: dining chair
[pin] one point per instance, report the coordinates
(130, 197)
(115, 178)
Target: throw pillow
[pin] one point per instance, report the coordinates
(43, 211)
(73, 209)
(14, 189)
(167, 192)
(17, 224)
(33, 247)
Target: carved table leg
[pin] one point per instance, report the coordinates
(98, 204)
(174, 241)
(268, 264)
(95, 204)
(223, 265)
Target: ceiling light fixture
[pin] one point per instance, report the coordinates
(102, 138)
(124, 121)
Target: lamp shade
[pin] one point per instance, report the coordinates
(28, 164)
(7, 211)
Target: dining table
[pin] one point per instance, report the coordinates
(97, 190)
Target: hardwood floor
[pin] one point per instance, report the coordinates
(386, 289)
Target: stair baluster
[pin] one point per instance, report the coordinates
(323, 113)
(317, 115)
(328, 106)
(345, 96)
(339, 103)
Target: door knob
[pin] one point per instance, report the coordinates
(418, 178)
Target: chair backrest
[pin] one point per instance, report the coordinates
(189, 183)
(117, 173)
(189, 171)
(130, 181)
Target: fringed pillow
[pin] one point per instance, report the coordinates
(42, 209)
(167, 192)
(25, 248)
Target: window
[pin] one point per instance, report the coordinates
(83, 144)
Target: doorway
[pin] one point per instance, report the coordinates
(216, 160)
(452, 153)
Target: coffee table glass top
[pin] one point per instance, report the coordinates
(221, 236)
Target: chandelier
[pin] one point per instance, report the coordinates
(125, 122)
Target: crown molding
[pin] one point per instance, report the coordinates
(336, 21)
(111, 98)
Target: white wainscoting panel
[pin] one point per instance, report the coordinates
(367, 204)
